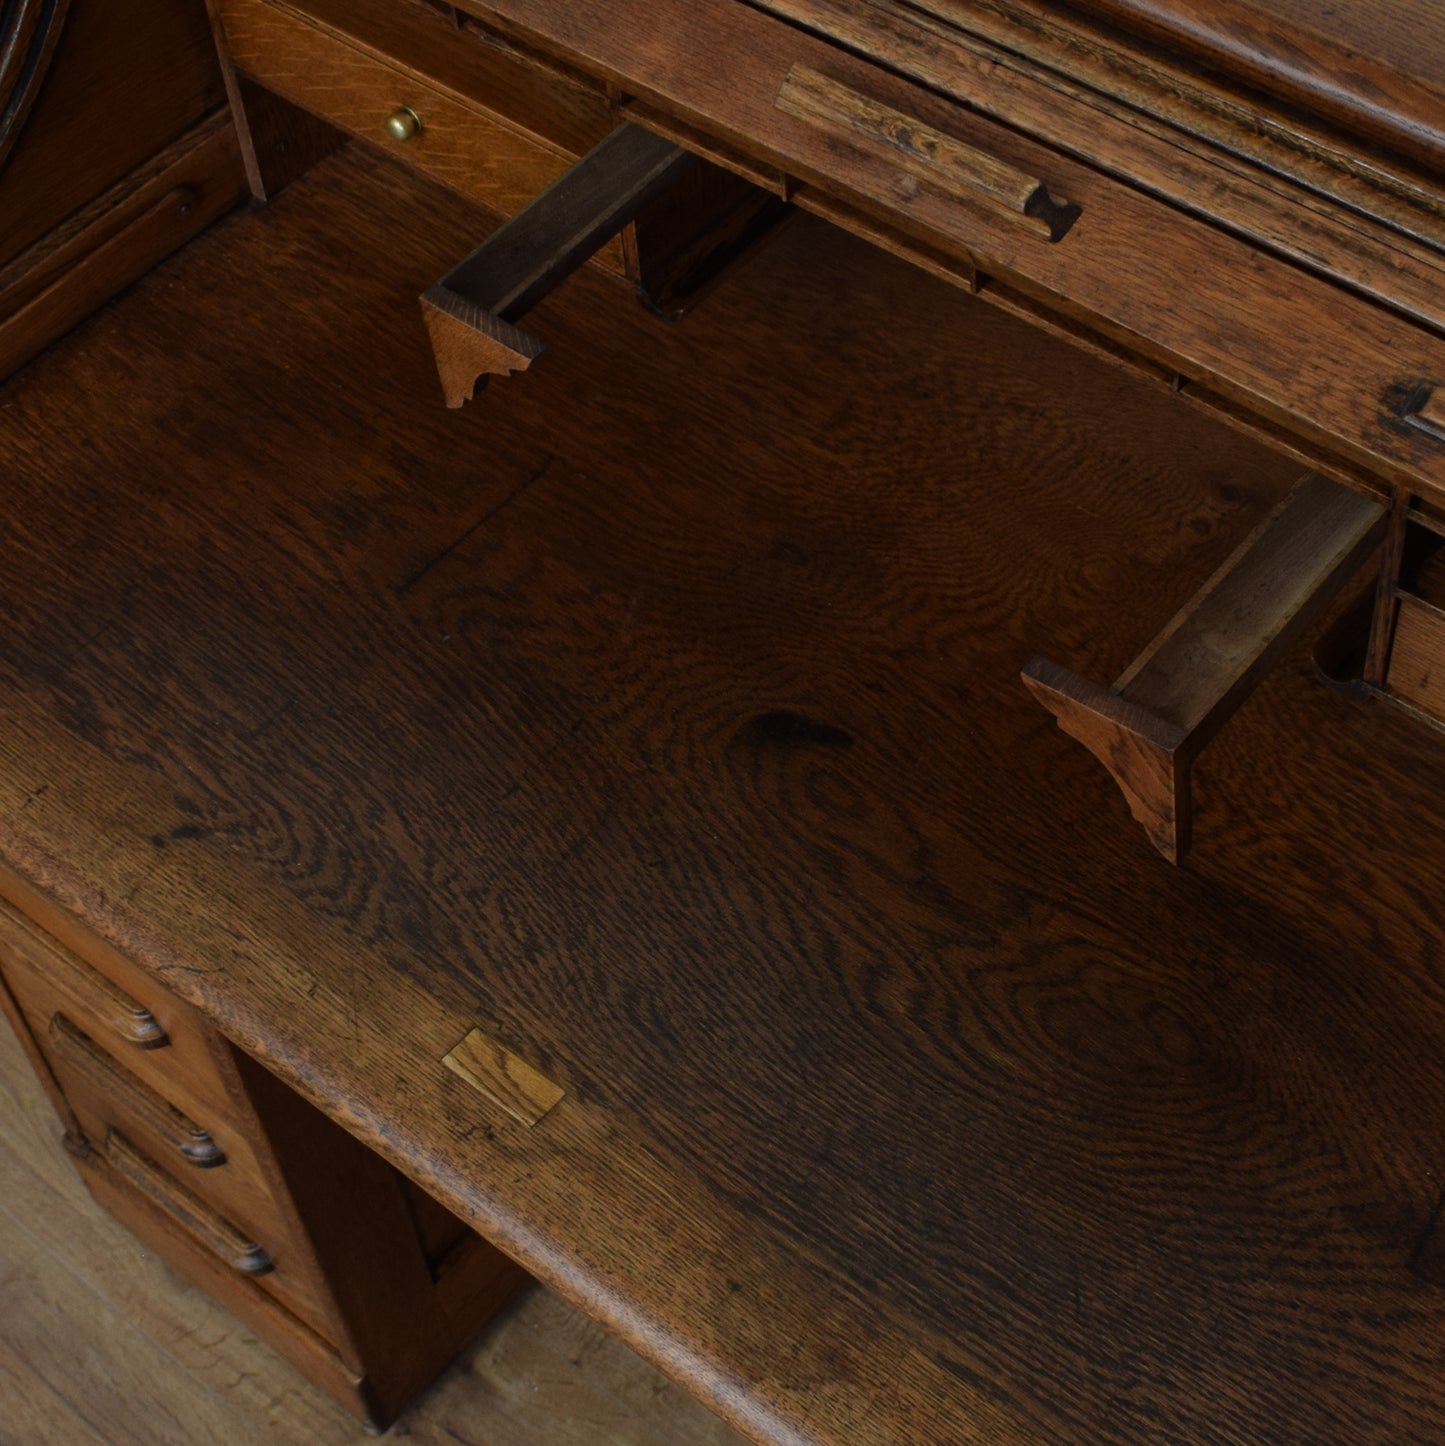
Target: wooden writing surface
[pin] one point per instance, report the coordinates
(661, 718)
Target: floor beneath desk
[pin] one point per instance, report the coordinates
(101, 1343)
(659, 715)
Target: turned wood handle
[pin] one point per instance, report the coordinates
(952, 167)
(76, 1051)
(100, 999)
(189, 1213)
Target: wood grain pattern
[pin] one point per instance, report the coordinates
(664, 723)
(99, 1342)
(1141, 118)
(277, 141)
(504, 1078)
(74, 1051)
(1284, 344)
(470, 314)
(561, 108)
(126, 79)
(187, 1212)
(928, 155)
(1368, 66)
(29, 33)
(1424, 409)
(185, 1070)
(465, 146)
(1416, 672)
(1174, 697)
(98, 251)
(99, 998)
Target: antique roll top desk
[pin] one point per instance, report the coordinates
(595, 826)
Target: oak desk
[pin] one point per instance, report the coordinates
(657, 716)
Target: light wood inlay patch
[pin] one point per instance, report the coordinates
(503, 1077)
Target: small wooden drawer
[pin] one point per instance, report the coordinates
(1415, 672)
(222, 1211)
(206, 1157)
(206, 1259)
(451, 119)
(1417, 659)
(159, 1038)
(562, 109)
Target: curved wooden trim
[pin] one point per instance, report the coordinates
(27, 46)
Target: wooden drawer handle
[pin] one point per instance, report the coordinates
(956, 169)
(95, 995)
(76, 1051)
(1148, 728)
(1424, 410)
(189, 1213)
(470, 313)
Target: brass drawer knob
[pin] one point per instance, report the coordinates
(403, 123)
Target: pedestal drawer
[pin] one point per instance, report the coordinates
(203, 1157)
(159, 1038)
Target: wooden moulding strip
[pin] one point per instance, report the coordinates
(1153, 124)
(135, 225)
(1148, 727)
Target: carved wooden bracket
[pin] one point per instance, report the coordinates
(471, 313)
(1149, 727)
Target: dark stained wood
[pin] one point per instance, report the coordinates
(1374, 67)
(127, 78)
(102, 248)
(664, 724)
(687, 239)
(29, 33)
(113, 152)
(1174, 697)
(471, 312)
(1424, 409)
(1138, 116)
(1284, 345)
(927, 155)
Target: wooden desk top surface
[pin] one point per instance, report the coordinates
(659, 715)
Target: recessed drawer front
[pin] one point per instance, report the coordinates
(453, 138)
(195, 1255)
(1417, 658)
(228, 1242)
(215, 1216)
(112, 1088)
(564, 110)
(209, 1157)
(160, 1040)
